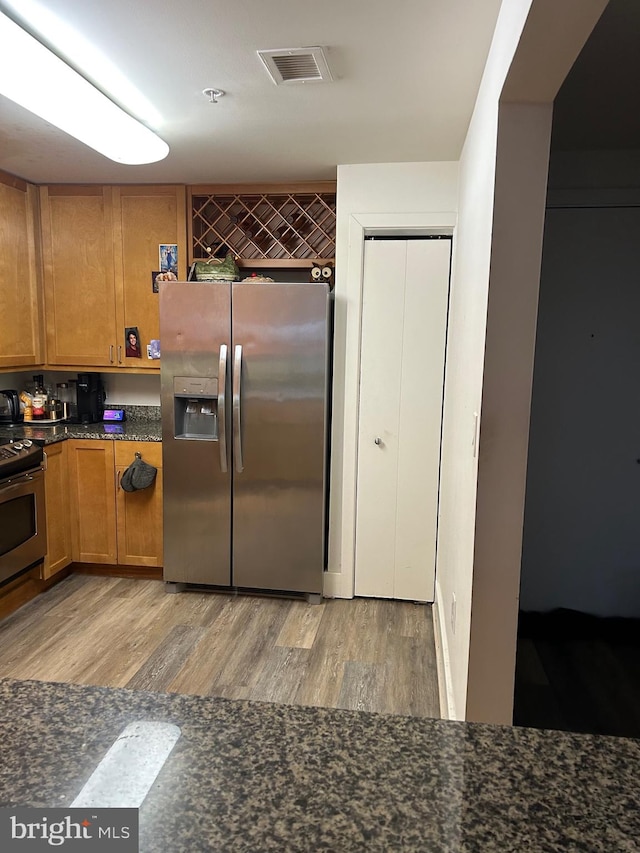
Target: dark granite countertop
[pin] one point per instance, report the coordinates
(248, 776)
(131, 430)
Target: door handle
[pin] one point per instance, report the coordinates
(237, 404)
(222, 420)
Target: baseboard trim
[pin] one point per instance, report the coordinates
(443, 662)
(153, 573)
(335, 585)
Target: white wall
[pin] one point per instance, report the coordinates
(127, 389)
(408, 198)
(139, 390)
(465, 355)
(524, 132)
(490, 357)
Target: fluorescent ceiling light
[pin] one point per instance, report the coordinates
(69, 42)
(42, 83)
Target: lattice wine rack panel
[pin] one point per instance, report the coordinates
(264, 226)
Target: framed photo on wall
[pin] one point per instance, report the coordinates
(132, 342)
(168, 255)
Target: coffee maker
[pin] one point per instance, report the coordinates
(91, 396)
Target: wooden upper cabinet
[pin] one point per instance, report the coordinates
(20, 318)
(80, 296)
(100, 247)
(144, 218)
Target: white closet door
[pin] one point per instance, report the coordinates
(404, 320)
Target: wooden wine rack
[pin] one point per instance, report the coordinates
(264, 226)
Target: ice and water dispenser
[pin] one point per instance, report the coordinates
(195, 407)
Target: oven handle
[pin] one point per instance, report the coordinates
(19, 480)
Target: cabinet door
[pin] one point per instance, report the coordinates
(144, 218)
(56, 489)
(139, 514)
(77, 241)
(20, 331)
(93, 504)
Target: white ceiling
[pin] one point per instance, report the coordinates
(406, 73)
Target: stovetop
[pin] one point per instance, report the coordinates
(19, 456)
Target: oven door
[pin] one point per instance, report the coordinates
(23, 529)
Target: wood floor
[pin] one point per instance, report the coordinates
(365, 654)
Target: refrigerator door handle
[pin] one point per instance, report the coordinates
(237, 401)
(222, 420)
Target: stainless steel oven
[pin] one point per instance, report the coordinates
(23, 529)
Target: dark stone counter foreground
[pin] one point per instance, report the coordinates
(261, 777)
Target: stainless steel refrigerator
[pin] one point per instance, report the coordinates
(245, 400)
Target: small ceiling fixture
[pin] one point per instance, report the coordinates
(38, 80)
(213, 95)
(296, 65)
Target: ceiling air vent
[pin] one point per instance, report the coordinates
(296, 65)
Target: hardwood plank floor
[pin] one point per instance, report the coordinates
(366, 654)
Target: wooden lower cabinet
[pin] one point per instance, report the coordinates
(93, 504)
(139, 514)
(109, 525)
(56, 498)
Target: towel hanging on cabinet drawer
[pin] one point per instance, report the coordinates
(139, 475)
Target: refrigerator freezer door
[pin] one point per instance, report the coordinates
(195, 327)
(279, 496)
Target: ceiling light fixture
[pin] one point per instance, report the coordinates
(36, 79)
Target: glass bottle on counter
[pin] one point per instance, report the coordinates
(39, 398)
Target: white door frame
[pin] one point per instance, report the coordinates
(341, 584)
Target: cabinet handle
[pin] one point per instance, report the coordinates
(119, 353)
(117, 480)
(111, 353)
